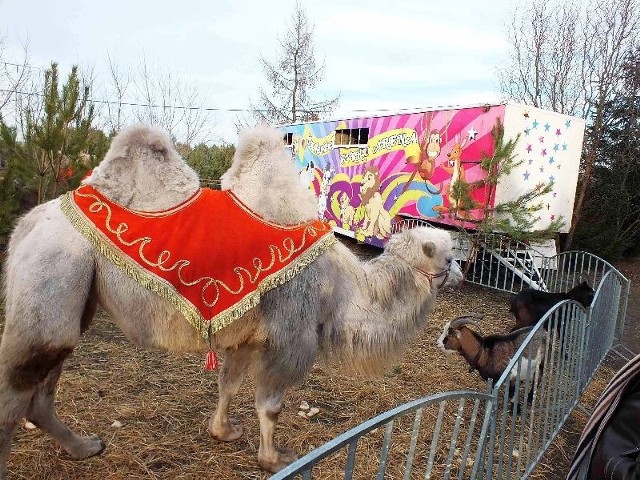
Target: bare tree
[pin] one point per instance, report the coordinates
(120, 80)
(292, 77)
(14, 75)
(157, 90)
(569, 57)
(544, 65)
(156, 96)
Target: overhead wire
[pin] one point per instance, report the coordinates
(229, 110)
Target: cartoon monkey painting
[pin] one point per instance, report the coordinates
(430, 148)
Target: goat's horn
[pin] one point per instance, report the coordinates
(465, 319)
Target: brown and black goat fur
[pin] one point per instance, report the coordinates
(530, 305)
(490, 355)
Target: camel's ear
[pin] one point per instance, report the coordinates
(429, 248)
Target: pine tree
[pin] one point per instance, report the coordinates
(515, 218)
(54, 147)
(210, 162)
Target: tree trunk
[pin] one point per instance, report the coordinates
(590, 159)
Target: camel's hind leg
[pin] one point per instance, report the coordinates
(49, 302)
(27, 391)
(13, 405)
(232, 372)
(29, 372)
(42, 413)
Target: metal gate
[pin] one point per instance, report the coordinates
(468, 434)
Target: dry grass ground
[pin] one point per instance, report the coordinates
(163, 402)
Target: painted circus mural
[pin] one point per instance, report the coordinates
(369, 172)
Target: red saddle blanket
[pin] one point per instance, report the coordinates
(210, 256)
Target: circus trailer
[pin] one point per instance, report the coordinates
(370, 172)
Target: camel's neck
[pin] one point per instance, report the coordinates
(390, 303)
(395, 285)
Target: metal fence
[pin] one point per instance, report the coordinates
(497, 434)
(440, 436)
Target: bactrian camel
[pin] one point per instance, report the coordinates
(338, 307)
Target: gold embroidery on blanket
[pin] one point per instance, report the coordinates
(164, 257)
(205, 328)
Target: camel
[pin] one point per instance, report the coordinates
(337, 308)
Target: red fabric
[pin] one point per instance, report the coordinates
(211, 248)
(211, 361)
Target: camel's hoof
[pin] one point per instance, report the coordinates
(86, 447)
(282, 458)
(226, 433)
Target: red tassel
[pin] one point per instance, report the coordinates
(211, 362)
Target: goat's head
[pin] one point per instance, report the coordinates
(451, 339)
(582, 293)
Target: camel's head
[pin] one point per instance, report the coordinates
(429, 251)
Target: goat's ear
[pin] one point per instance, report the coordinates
(429, 248)
(457, 333)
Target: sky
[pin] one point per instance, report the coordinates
(380, 55)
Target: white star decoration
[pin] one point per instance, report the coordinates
(472, 133)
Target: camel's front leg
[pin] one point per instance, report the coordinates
(271, 457)
(232, 373)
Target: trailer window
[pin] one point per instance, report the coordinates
(361, 136)
(288, 138)
(342, 137)
(351, 136)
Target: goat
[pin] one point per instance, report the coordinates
(491, 355)
(529, 305)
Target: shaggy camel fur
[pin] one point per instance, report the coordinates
(360, 313)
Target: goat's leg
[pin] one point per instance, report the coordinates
(232, 372)
(42, 413)
(514, 401)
